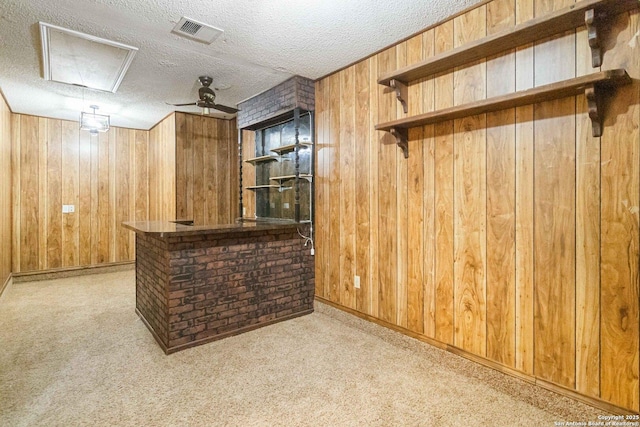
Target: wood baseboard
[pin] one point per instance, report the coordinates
(561, 390)
(57, 273)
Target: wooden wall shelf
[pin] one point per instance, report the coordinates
(288, 148)
(260, 187)
(283, 178)
(586, 12)
(261, 159)
(594, 86)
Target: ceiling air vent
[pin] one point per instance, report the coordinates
(195, 30)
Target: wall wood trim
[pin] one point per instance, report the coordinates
(6, 178)
(512, 236)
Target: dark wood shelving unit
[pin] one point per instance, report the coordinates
(586, 12)
(591, 13)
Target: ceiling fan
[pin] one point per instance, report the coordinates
(207, 98)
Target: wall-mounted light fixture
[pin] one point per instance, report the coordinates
(93, 122)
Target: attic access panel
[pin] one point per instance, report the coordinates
(82, 59)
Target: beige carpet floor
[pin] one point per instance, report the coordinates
(73, 353)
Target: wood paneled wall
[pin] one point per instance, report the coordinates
(248, 174)
(511, 236)
(207, 172)
(121, 175)
(5, 192)
(105, 177)
(162, 170)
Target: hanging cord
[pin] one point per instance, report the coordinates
(308, 239)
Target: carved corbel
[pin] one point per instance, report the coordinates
(594, 37)
(402, 139)
(594, 102)
(401, 93)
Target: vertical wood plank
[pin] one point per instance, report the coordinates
(211, 170)
(54, 193)
(187, 171)
(248, 172)
(587, 237)
(182, 165)
(153, 160)
(84, 198)
(401, 211)
(94, 197)
(122, 180)
(362, 184)
(334, 188)
(6, 184)
(198, 171)
(141, 176)
(319, 182)
(29, 193)
(444, 199)
(415, 196)
(234, 175)
(347, 187)
(429, 210)
(501, 149)
(42, 192)
(131, 215)
(169, 200)
(470, 195)
(104, 201)
(387, 197)
(328, 152)
(524, 339)
(16, 191)
(619, 293)
(113, 202)
(554, 215)
(222, 176)
(374, 147)
(70, 178)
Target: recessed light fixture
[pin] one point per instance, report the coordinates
(83, 60)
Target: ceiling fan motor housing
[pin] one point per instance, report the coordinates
(205, 80)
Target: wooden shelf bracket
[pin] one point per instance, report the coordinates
(402, 93)
(594, 37)
(593, 95)
(402, 139)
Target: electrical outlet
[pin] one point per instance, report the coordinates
(356, 282)
(72, 208)
(286, 205)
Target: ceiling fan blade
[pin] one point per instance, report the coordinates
(182, 105)
(225, 109)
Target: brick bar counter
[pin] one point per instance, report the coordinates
(196, 284)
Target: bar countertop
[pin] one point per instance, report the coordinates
(179, 228)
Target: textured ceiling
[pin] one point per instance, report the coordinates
(264, 43)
